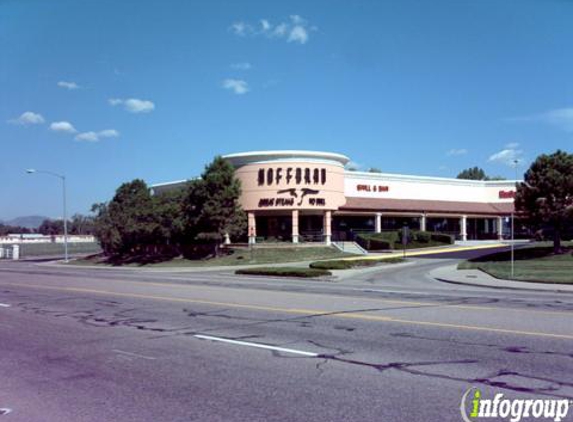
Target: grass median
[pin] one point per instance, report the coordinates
(533, 263)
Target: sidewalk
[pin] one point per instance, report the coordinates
(450, 274)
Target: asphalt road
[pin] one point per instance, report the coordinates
(389, 344)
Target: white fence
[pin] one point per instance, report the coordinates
(10, 252)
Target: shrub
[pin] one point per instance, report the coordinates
(442, 238)
(423, 237)
(285, 272)
(340, 264)
(331, 265)
(393, 239)
(377, 241)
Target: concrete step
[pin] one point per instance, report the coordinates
(350, 247)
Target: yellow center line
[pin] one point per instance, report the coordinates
(308, 312)
(425, 252)
(369, 299)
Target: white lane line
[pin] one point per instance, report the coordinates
(4, 305)
(5, 411)
(136, 355)
(257, 345)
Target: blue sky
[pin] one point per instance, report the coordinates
(108, 91)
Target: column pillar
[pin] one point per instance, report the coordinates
(327, 227)
(294, 226)
(423, 223)
(500, 228)
(464, 227)
(16, 252)
(378, 223)
(252, 228)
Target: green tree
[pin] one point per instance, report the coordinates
(7, 229)
(546, 195)
(128, 224)
(170, 216)
(51, 227)
(81, 225)
(212, 204)
(472, 173)
(476, 173)
(374, 170)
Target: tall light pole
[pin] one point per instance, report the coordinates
(515, 163)
(63, 179)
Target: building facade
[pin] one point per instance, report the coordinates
(310, 196)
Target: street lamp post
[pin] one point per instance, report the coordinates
(63, 179)
(515, 162)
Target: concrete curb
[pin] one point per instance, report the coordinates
(451, 275)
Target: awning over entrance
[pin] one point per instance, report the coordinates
(421, 206)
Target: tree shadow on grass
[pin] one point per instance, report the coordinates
(522, 254)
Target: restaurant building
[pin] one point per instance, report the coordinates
(310, 196)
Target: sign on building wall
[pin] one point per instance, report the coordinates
(372, 188)
(291, 185)
(506, 194)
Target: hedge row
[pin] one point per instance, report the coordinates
(340, 264)
(392, 239)
(285, 271)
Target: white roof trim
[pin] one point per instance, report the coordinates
(362, 175)
(243, 158)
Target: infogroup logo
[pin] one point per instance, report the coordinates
(474, 408)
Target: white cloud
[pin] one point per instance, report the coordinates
(508, 155)
(455, 152)
(561, 118)
(512, 145)
(28, 118)
(63, 126)
(242, 66)
(108, 133)
(295, 29)
(87, 136)
(68, 85)
(298, 34)
(96, 136)
(238, 86)
(134, 105)
(242, 29)
(279, 31)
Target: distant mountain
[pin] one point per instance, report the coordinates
(29, 221)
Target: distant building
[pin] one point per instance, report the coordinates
(40, 238)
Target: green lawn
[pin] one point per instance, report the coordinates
(238, 257)
(532, 263)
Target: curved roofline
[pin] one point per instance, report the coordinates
(243, 158)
